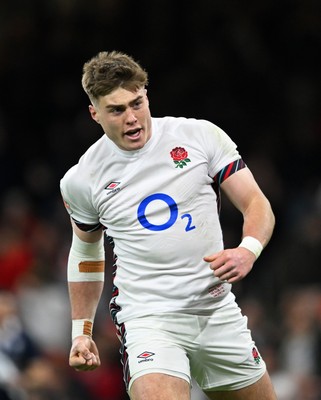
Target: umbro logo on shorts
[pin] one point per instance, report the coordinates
(145, 356)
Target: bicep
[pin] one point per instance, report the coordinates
(89, 237)
(242, 189)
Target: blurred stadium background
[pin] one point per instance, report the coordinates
(251, 67)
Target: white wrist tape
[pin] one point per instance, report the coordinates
(252, 244)
(81, 327)
(86, 262)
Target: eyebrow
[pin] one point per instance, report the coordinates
(111, 106)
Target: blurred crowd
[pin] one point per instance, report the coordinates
(252, 68)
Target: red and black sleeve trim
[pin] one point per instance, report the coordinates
(229, 170)
(223, 174)
(87, 227)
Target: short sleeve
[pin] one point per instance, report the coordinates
(76, 194)
(220, 148)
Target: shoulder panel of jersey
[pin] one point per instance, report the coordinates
(218, 147)
(76, 185)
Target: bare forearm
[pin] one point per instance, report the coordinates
(245, 194)
(259, 220)
(84, 298)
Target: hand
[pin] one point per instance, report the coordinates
(231, 265)
(84, 354)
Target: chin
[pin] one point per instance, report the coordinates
(136, 145)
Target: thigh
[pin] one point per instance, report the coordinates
(228, 358)
(153, 349)
(156, 386)
(262, 390)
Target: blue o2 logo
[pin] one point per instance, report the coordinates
(173, 213)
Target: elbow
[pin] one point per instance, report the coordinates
(270, 219)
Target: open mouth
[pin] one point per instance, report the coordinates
(134, 133)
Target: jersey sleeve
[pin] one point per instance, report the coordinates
(76, 195)
(229, 170)
(221, 151)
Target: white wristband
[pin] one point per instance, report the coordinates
(81, 327)
(252, 244)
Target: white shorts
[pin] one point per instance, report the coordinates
(216, 350)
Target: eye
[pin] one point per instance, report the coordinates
(138, 104)
(116, 110)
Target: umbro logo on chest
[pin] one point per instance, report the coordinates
(112, 187)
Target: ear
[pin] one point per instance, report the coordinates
(94, 113)
(145, 90)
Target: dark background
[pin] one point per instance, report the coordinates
(251, 67)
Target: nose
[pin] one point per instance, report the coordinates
(130, 117)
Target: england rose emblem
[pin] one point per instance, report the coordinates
(180, 157)
(256, 356)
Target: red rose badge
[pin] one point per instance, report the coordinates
(180, 157)
(256, 356)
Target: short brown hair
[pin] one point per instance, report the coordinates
(108, 71)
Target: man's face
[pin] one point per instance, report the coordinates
(125, 117)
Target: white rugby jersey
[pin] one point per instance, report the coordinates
(159, 206)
